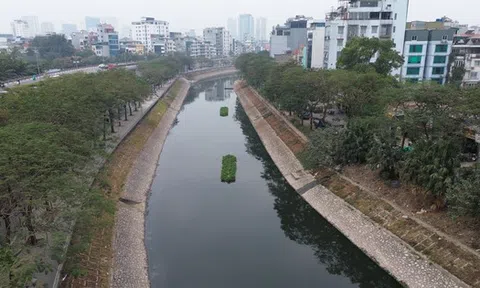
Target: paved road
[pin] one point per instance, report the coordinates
(94, 69)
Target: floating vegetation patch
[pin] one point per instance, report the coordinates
(229, 168)
(224, 111)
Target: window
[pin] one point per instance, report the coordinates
(445, 37)
(374, 29)
(340, 42)
(476, 63)
(441, 48)
(394, 29)
(414, 38)
(473, 75)
(363, 30)
(438, 70)
(413, 71)
(416, 48)
(414, 59)
(341, 30)
(396, 16)
(440, 59)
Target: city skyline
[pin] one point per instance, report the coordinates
(199, 16)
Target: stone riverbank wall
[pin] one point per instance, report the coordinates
(282, 141)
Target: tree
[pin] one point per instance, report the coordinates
(365, 54)
(53, 46)
(324, 149)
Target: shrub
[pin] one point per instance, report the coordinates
(224, 111)
(229, 168)
(463, 197)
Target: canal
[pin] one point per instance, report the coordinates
(256, 232)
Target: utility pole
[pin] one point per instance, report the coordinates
(36, 57)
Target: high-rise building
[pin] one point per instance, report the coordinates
(426, 54)
(232, 27)
(147, 27)
(261, 29)
(20, 29)
(47, 28)
(384, 19)
(33, 27)
(91, 23)
(220, 38)
(68, 29)
(191, 33)
(245, 27)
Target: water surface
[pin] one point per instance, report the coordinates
(256, 232)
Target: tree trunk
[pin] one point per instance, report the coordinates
(324, 113)
(136, 106)
(8, 227)
(404, 137)
(311, 121)
(110, 116)
(125, 109)
(31, 239)
(130, 109)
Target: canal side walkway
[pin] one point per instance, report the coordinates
(389, 251)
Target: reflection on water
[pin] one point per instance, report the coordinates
(302, 224)
(256, 232)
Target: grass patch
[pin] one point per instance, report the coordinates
(224, 111)
(90, 253)
(229, 168)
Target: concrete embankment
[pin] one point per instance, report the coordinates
(282, 140)
(130, 266)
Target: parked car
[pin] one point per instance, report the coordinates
(305, 115)
(102, 66)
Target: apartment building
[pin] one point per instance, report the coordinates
(426, 54)
(20, 29)
(107, 41)
(384, 19)
(144, 29)
(198, 48)
(466, 50)
(220, 38)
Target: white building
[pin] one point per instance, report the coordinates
(196, 48)
(279, 40)
(245, 27)
(80, 40)
(233, 27)
(20, 29)
(261, 29)
(384, 19)
(426, 54)
(467, 49)
(33, 26)
(220, 38)
(316, 45)
(47, 28)
(144, 29)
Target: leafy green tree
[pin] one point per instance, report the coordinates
(324, 149)
(53, 46)
(365, 54)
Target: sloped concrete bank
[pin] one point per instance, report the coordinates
(130, 266)
(390, 252)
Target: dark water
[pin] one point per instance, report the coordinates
(256, 232)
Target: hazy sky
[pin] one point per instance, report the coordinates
(197, 14)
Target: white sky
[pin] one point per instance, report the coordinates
(197, 14)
